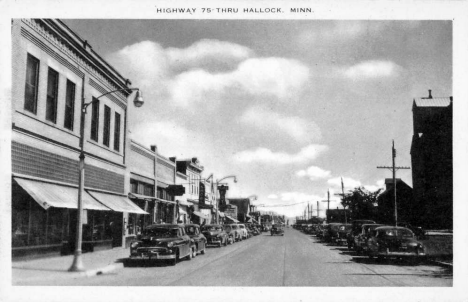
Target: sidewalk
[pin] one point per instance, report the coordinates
(46, 270)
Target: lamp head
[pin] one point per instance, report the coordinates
(138, 101)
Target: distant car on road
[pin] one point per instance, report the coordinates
(356, 229)
(277, 229)
(193, 230)
(163, 242)
(394, 242)
(215, 235)
(238, 234)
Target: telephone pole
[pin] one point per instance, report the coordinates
(343, 196)
(394, 169)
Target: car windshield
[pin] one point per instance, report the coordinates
(191, 230)
(405, 233)
(160, 232)
(212, 228)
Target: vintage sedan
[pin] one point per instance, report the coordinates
(238, 236)
(215, 235)
(340, 235)
(356, 229)
(360, 240)
(243, 230)
(277, 229)
(231, 233)
(163, 242)
(193, 230)
(394, 242)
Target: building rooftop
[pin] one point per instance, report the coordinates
(433, 102)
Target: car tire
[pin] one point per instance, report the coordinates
(173, 262)
(203, 251)
(226, 242)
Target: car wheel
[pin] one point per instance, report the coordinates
(219, 244)
(226, 242)
(194, 252)
(173, 262)
(203, 251)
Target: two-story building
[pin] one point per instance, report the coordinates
(54, 72)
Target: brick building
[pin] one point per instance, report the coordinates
(53, 70)
(432, 161)
(386, 203)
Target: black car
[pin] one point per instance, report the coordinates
(277, 229)
(215, 234)
(163, 242)
(193, 230)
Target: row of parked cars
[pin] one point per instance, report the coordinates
(366, 237)
(171, 242)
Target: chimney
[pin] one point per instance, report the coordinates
(430, 94)
(153, 148)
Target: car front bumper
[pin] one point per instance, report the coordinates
(156, 254)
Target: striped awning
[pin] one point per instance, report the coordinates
(117, 203)
(59, 196)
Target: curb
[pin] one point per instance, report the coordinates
(103, 270)
(444, 264)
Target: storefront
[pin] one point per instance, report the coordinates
(44, 216)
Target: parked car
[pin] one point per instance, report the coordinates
(163, 242)
(360, 240)
(243, 231)
(277, 229)
(419, 232)
(231, 233)
(329, 230)
(340, 236)
(394, 242)
(193, 230)
(215, 234)
(356, 226)
(237, 231)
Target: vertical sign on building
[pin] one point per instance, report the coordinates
(201, 195)
(222, 197)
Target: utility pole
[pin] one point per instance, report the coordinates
(394, 169)
(343, 196)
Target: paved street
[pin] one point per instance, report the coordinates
(293, 260)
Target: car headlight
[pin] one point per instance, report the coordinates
(134, 245)
(170, 244)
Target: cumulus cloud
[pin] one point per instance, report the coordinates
(264, 155)
(208, 54)
(380, 184)
(272, 196)
(314, 173)
(372, 69)
(348, 183)
(208, 71)
(266, 120)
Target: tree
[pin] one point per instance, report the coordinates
(361, 203)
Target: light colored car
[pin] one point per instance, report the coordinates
(244, 232)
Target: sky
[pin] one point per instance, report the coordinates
(288, 106)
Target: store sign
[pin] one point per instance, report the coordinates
(222, 197)
(201, 195)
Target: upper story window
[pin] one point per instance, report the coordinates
(32, 81)
(95, 120)
(107, 120)
(52, 92)
(117, 132)
(70, 105)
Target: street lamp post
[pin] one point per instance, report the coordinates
(77, 265)
(217, 201)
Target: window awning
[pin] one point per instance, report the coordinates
(53, 195)
(201, 215)
(221, 214)
(117, 203)
(229, 217)
(140, 196)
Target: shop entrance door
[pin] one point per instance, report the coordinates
(117, 229)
